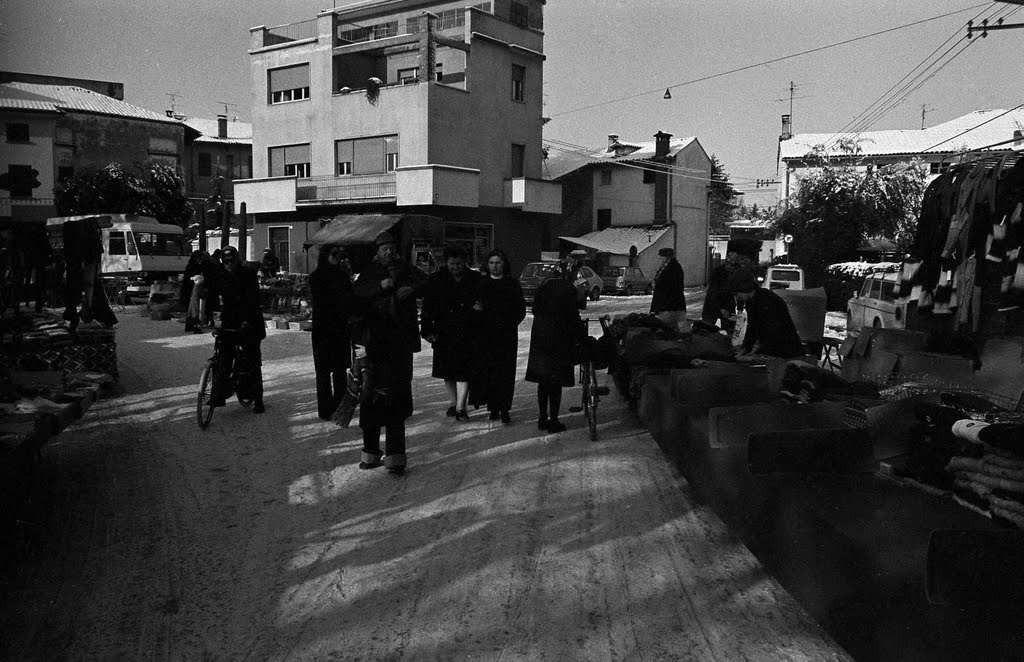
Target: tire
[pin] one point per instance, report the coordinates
(204, 400)
(595, 294)
(241, 387)
(629, 291)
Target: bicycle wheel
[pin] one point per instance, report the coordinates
(590, 399)
(204, 401)
(243, 389)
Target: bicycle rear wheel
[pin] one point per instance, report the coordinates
(204, 401)
(590, 400)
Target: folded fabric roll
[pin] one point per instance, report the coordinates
(992, 481)
(1006, 504)
(1002, 461)
(964, 484)
(969, 429)
(1013, 517)
(1009, 495)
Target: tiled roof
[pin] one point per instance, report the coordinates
(66, 98)
(939, 139)
(562, 161)
(618, 240)
(238, 132)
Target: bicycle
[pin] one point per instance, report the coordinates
(215, 387)
(591, 391)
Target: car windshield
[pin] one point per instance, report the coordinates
(159, 243)
(613, 271)
(785, 274)
(539, 270)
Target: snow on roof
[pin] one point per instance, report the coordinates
(238, 132)
(618, 240)
(562, 161)
(980, 128)
(65, 98)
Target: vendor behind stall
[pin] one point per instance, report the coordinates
(770, 328)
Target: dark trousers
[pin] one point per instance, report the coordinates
(394, 444)
(250, 348)
(549, 399)
(331, 356)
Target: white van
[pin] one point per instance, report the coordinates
(784, 277)
(138, 248)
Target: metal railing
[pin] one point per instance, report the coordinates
(282, 34)
(329, 188)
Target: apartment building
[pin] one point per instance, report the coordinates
(401, 108)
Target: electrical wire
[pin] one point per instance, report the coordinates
(767, 62)
(991, 119)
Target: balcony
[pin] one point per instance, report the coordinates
(533, 195)
(347, 188)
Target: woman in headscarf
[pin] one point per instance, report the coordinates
(330, 292)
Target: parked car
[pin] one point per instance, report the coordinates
(875, 305)
(784, 277)
(626, 280)
(588, 284)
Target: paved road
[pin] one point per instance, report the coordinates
(260, 539)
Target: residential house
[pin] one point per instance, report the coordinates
(393, 109)
(982, 132)
(624, 203)
(57, 127)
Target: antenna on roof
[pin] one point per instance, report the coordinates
(173, 95)
(228, 104)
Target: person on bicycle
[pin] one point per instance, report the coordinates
(241, 311)
(388, 287)
(556, 334)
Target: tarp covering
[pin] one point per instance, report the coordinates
(618, 241)
(353, 229)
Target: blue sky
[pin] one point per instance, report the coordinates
(608, 63)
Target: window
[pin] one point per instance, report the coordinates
(410, 75)
(366, 156)
(63, 135)
(291, 160)
(21, 179)
(518, 160)
(604, 218)
(938, 168)
(17, 132)
(478, 240)
(288, 83)
(277, 241)
(888, 290)
(205, 166)
(438, 72)
(518, 83)
(118, 246)
(159, 243)
(606, 177)
(519, 14)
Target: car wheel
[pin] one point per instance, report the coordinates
(650, 289)
(595, 294)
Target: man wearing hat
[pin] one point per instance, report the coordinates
(770, 328)
(669, 282)
(388, 288)
(269, 265)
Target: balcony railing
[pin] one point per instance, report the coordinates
(283, 34)
(330, 188)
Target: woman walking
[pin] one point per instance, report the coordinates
(448, 323)
(557, 330)
(193, 290)
(502, 310)
(330, 292)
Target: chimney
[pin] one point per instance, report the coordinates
(222, 126)
(612, 139)
(787, 127)
(661, 143)
(170, 113)
(1018, 139)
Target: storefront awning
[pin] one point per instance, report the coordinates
(618, 241)
(352, 229)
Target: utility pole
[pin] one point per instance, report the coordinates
(924, 109)
(173, 96)
(227, 105)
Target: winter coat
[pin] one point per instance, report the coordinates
(503, 312)
(557, 331)
(770, 327)
(449, 316)
(668, 288)
(333, 299)
(240, 296)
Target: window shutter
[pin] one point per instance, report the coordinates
(289, 78)
(277, 161)
(368, 157)
(296, 154)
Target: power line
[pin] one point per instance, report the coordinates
(767, 62)
(1005, 112)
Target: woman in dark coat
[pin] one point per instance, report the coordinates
(332, 297)
(502, 310)
(448, 322)
(669, 282)
(557, 330)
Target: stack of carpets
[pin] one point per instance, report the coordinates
(989, 475)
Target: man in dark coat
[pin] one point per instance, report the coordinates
(501, 309)
(388, 288)
(241, 311)
(557, 330)
(270, 264)
(448, 323)
(332, 297)
(770, 328)
(669, 282)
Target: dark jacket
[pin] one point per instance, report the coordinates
(240, 296)
(668, 288)
(557, 330)
(270, 265)
(448, 314)
(770, 327)
(394, 322)
(333, 300)
(718, 298)
(503, 311)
